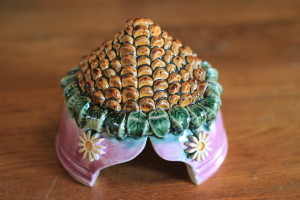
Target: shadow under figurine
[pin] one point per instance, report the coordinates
(141, 84)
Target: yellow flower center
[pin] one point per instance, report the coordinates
(201, 146)
(89, 145)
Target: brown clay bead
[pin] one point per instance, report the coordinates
(82, 85)
(157, 53)
(144, 71)
(84, 59)
(143, 51)
(194, 84)
(130, 93)
(127, 39)
(115, 81)
(116, 65)
(96, 73)
(177, 60)
(113, 93)
(108, 73)
(127, 49)
(108, 45)
(140, 30)
(84, 66)
(129, 80)
(185, 75)
(174, 88)
(157, 41)
(174, 77)
(79, 75)
(89, 86)
(143, 61)
(146, 92)
(142, 21)
(154, 30)
(185, 100)
(199, 74)
(190, 69)
(147, 104)
(185, 87)
(131, 106)
(173, 99)
(163, 104)
(128, 70)
(160, 94)
(176, 44)
(157, 63)
(112, 104)
(94, 63)
(186, 50)
(111, 55)
(128, 60)
(168, 43)
(145, 81)
(98, 97)
(141, 41)
(168, 56)
(116, 47)
(160, 73)
(193, 60)
(129, 22)
(104, 64)
(102, 83)
(160, 85)
(171, 68)
(87, 75)
(195, 96)
(202, 87)
(129, 30)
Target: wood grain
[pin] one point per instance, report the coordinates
(254, 44)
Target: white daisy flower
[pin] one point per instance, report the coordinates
(198, 146)
(91, 146)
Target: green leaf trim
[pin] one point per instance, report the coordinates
(115, 124)
(70, 90)
(180, 118)
(80, 108)
(95, 118)
(159, 122)
(137, 124)
(198, 115)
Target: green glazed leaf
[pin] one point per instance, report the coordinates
(198, 115)
(211, 73)
(71, 101)
(70, 90)
(212, 101)
(115, 124)
(215, 87)
(180, 118)
(159, 122)
(67, 80)
(137, 124)
(95, 118)
(80, 108)
(73, 71)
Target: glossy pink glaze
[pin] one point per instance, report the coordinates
(119, 151)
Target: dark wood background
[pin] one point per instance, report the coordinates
(254, 44)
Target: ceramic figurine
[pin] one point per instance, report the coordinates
(142, 84)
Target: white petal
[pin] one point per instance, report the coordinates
(84, 154)
(95, 136)
(208, 149)
(81, 144)
(202, 156)
(81, 138)
(194, 156)
(193, 139)
(190, 150)
(96, 156)
(99, 140)
(96, 151)
(190, 144)
(81, 150)
(97, 146)
(91, 157)
(198, 158)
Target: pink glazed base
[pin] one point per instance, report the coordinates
(170, 148)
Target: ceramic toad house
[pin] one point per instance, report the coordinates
(141, 84)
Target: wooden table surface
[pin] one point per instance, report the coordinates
(255, 45)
